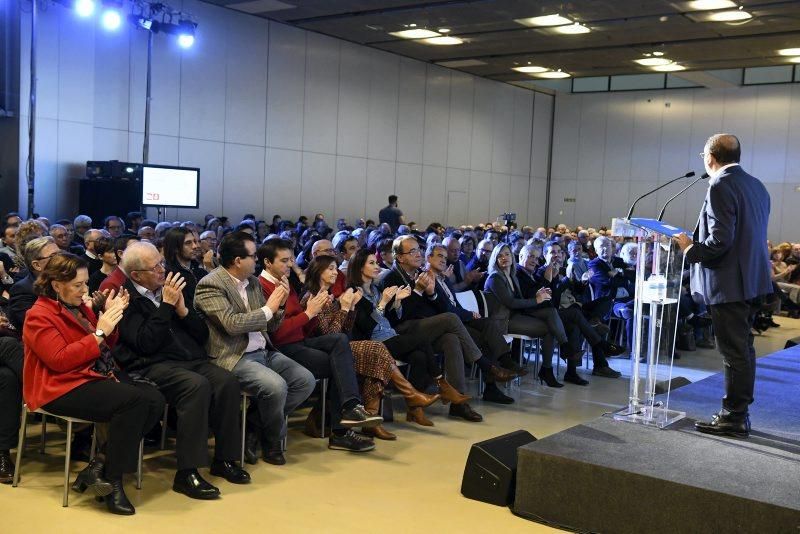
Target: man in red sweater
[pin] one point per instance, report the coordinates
(327, 356)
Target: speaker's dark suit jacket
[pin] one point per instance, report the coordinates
(730, 240)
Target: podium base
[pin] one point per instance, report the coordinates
(656, 416)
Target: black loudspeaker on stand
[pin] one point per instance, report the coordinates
(101, 198)
(491, 471)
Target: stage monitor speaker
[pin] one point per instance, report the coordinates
(101, 198)
(792, 342)
(662, 386)
(491, 470)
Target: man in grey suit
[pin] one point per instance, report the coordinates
(239, 321)
(732, 272)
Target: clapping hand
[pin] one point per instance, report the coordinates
(316, 303)
(277, 298)
(402, 292)
(543, 295)
(172, 292)
(448, 272)
(346, 299)
(387, 295)
(473, 276)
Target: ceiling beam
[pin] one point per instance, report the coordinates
(705, 79)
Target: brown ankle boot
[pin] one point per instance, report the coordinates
(449, 393)
(414, 398)
(372, 405)
(416, 415)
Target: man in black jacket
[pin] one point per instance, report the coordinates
(162, 340)
(427, 315)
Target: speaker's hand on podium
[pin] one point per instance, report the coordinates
(683, 241)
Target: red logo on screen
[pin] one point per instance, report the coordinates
(152, 196)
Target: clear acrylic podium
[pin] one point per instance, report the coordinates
(659, 269)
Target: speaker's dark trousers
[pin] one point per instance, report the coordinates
(732, 323)
(204, 396)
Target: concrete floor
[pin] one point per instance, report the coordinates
(404, 486)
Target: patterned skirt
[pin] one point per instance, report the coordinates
(373, 364)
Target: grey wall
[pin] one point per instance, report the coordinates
(610, 148)
(286, 121)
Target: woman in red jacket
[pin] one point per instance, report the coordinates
(69, 371)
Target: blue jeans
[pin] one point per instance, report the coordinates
(278, 385)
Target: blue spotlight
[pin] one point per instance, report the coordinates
(111, 18)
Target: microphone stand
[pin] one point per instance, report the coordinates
(682, 191)
(630, 211)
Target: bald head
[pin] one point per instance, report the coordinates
(323, 247)
(723, 148)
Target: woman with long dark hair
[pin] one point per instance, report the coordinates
(373, 363)
(371, 322)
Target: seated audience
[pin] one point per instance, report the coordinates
(181, 246)
(93, 262)
(9, 239)
(63, 239)
(162, 339)
(103, 249)
(239, 322)
(37, 254)
(118, 276)
(460, 278)
(114, 225)
(69, 371)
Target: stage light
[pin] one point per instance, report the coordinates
(185, 31)
(529, 69)
(84, 8)
(672, 67)
(730, 16)
(546, 20)
(555, 75)
(653, 61)
(415, 34)
(572, 29)
(444, 40)
(111, 17)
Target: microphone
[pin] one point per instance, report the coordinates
(630, 211)
(682, 191)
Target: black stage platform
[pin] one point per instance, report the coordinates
(608, 476)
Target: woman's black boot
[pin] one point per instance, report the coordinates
(92, 478)
(546, 376)
(117, 502)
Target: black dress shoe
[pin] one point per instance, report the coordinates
(575, 378)
(117, 502)
(194, 486)
(230, 472)
(493, 394)
(6, 468)
(725, 424)
(273, 453)
(251, 448)
(465, 412)
(612, 349)
(607, 372)
(92, 478)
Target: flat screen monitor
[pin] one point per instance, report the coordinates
(170, 187)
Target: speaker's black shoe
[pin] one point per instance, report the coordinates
(607, 372)
(575, 378)
(193, 485)
(465, 411)
(725, 424)
(92, 478)
(230, 471)
(493, 394)
(6, 468)
(117, 502)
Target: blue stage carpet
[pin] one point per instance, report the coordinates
(777, 393)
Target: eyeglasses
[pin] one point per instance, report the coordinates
(703, 155)
(251, 256)
(47, 257)
(114, 227)
(412, 251)
(160, 266)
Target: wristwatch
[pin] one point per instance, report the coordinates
(99, 333)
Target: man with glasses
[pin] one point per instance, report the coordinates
(239, 322)
(93, 262)
(161, 339)
(424, 314)
(114, 226)
(37, 255)
(208, 250)
(346, 247)
(63, 239)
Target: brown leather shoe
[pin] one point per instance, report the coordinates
(379, 432)
(449, 393)
(414, 398)
(311, 427)
(501, 375)
(416, 415)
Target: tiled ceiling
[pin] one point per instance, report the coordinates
(493, 43)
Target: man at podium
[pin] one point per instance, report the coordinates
(731, 269)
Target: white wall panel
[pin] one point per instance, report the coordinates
(518, 198)
(112, 90)
(503, 128)
(110, 144)
(409, 191)
(480, 190)
(351, 188)
(592, 133)
(76, 72)
(775, 230)
(523, 128)
(793, 137)
(771, 134)
(543, 128)
(437, 116)
(588, 202)
(561, 210)
(614, 203)
(48, 69)
(619, 137)
(74, 149)
(164, 150)
(246, 81)
(457, 208)
(676, 129)
(317, 184)
(457, 180)
(459, 141)
(739, 118)
(283, 181)
(499, 195)
(209, 157)
(286, 86)
(707, 113)
(646, 136)
(353, 121)
(433, 201)
(482, 127)
(380, 184)
(47, 163)
(244, 181)
(789, 214)
(536, 202)
(321, 94)
(566, 133)
(383, 102)
(636, 188)
(411, 111)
